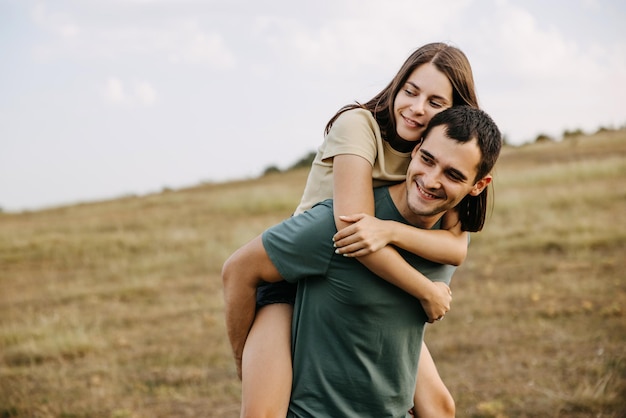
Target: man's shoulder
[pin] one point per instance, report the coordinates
(301, 246)
(306, 226)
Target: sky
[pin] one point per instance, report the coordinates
(107, 98)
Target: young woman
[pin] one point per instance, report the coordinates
(368, 145)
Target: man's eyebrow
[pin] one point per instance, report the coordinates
(456, 173)
(428, 154)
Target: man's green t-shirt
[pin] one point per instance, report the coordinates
(356, 338)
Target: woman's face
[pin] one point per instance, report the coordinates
(426, 92)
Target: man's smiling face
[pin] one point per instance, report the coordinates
(442, 172)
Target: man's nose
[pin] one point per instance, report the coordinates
(430, 180)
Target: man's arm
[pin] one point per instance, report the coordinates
(241, 274)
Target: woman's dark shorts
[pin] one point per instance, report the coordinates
(279, 292)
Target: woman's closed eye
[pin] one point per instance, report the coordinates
(436, 104)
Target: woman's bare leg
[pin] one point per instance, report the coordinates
(432, 398)
(266, 364)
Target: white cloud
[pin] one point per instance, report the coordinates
(68, 30)
(143, 93)
(359, 33)
(118, 35)
(56, 22)
(529, 51)
(193, 45)
(114, 91)
(592, 4)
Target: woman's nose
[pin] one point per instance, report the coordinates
(417, 106)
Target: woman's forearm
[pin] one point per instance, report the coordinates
(388, 264)
(438, 245)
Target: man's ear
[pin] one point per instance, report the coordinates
(481, 185)
(417, 147)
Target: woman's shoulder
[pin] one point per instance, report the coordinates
(357, 117)
(357, 114)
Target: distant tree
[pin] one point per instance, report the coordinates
(570, 134)
(304, 162)
(603, 129)
(543, 138)
(270, 170)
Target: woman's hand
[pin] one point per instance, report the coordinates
(365, 235)
(437, 303)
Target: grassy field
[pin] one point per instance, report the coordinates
(114, 308)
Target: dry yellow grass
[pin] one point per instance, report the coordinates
(114, 308)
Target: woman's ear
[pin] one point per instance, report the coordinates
(481, 185)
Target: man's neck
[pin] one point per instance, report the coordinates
(398, 196)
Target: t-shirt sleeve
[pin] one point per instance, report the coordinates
(354, 132)
(301, 246)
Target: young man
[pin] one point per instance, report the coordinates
(355, 337)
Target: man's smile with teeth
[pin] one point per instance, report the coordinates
(424, 193)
